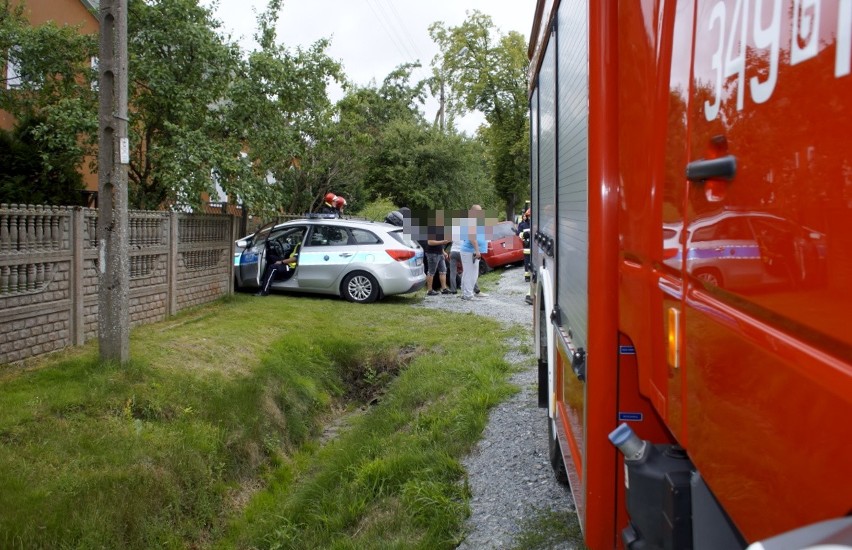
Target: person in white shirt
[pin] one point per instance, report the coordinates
(455, 258)
(474, 244)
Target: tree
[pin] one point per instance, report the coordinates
(487, 72)
(280, 110)
(384, 147)
(347, 147)
(180, 73)
(424, 168)
(54, 103)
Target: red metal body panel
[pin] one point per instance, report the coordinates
(765, 357)
(634, 408)
(732, 293)
(767, 372)
(570, 403)
(600, 481)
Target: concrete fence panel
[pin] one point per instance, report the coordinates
(35, 281)
(49, 272)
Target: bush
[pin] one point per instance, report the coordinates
(34, 174)
(376, 210)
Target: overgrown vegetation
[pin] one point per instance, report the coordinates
(210, 438)
(32, 172)
(260, 128)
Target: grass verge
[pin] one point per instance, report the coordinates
(210, 436)
(544, 529)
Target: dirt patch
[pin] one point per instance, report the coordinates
(366, 378)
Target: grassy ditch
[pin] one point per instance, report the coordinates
(211, 437)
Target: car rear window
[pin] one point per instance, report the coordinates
(402, 238)
(362, 236)
(503, 230)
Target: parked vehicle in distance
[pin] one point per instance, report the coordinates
(504, 248)
(359, 261)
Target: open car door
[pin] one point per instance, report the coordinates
(253, 258)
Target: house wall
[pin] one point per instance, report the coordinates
(63, 12)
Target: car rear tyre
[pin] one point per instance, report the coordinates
(360, 287)
(555, 454)
(710, 276)
(483, 267)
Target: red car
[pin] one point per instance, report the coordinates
(504, 248)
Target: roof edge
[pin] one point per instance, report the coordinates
(91, 4)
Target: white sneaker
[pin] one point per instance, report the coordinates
(481, 295)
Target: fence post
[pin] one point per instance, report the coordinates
(243, 222)
(230, 280)
(78, 331)
(173, 238)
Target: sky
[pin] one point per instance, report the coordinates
(372, 37)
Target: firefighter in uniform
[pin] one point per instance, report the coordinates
(328, 205)
(339, 204)
(524, 234)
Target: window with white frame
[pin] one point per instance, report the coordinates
(13, 69)
(95, 74)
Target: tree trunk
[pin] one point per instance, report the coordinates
(510, 208)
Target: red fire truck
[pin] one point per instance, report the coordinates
(691, 170)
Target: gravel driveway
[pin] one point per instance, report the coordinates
(509, 473)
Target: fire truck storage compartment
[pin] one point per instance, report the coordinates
(572, 181)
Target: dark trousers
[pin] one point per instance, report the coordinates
(453, 274)
(272, 272)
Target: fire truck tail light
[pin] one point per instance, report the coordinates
(673, 337)
(669, 253)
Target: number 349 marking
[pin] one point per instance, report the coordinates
(729, 59)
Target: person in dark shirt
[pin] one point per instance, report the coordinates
(524, 224)
(436, 262)
(280, 263)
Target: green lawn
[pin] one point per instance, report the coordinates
(214, 435)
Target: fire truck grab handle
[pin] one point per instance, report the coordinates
(721, 168)
(556, 316)
(578, 364)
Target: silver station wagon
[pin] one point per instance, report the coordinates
(360, 261)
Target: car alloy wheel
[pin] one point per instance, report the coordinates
(360, 287)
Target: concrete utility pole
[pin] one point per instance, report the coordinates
(113, 158)
(443, 102)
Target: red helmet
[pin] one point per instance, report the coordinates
(329, 197)
(339, 202)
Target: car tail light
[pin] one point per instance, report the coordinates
(401, 255)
